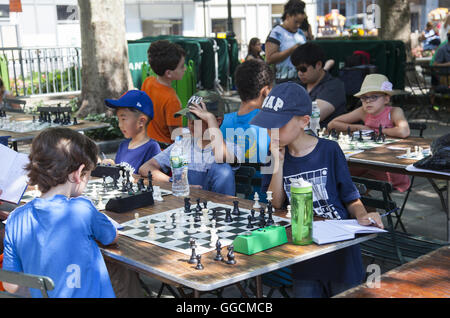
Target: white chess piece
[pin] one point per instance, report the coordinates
(288, 214)
(408, 152)
(269, 195)
(191, 229)
(136, 219)
(214, 237)
(203, 227)
(151, 230)
(256, 198)
(100, 205)
(168, 225)
(157, 194)
(178, 233)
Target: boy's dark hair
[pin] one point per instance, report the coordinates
(57, 152)
(293, 7)
(251, 76)
(309, 54)
(164, 55)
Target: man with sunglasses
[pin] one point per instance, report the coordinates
(328, 91)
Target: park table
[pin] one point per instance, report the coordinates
(172, 267)
(385, 159)
(424, 277)
(27, 137)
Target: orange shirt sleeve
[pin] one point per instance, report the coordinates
(173, 105)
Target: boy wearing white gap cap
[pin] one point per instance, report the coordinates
(286, 112)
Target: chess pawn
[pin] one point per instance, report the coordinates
(151, 230)
(218, 249)
(199, 264)
(136, 219)
(191, 229)
(288, 214)
(256, 198)
(214, 237)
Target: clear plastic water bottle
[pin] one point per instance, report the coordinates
(179, 165)
(314, 123)
(301, 212)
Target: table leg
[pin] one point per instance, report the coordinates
(259, 291)
(448, 210)
(196, 294)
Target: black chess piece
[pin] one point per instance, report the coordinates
(236, 208)
(193, 258)
(218, 249)
(150, 181)
(140, 184)
(199, 264)
(228, 218)
(249, 225)
(262, 218)
(197, 215)
(115, 186)
(187, 205)
(360, 136)
(104, 183)
(205, 204)
(230, 255)
(252, 212)
(270, 220)
(349, 131)
(198, 207)
(75, 122)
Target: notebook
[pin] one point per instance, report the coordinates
(13, 177)
(330, 231)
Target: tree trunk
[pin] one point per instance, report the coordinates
(105, 72)
(396, 22)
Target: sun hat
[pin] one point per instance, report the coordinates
(213, 101)
(133, 99)
(284, 101)
(376, 83)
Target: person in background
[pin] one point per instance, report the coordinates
(4, 94)
(430, 37)
(254, 50)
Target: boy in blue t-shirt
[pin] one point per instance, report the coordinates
(286, 112)
(134, 110)
(55, 235)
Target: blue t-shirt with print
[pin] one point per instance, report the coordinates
(138, 156)
(55, 237)
(285, 40)
(252, 140)
(326, 169)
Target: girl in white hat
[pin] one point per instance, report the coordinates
(375, 94)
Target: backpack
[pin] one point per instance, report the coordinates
(440, 158)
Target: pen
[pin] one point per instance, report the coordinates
(388, 212)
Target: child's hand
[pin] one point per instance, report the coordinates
(201, 111)
(277, 151)
(372, 218)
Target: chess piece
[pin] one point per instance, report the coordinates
(218, 249)
(151, 230)
(193, 258)
(168, 225)
(236, 208)
(256, 198)
(360, 138)
(136, 219)
(197, 217)
(214, 237)
(270, 220)
(230, 255)
(198, 207)
(157, 194)
(191, 229)
(150, 181)
(199, 264)
(205, 204)
(187, 205)
(228, 218)
(288, 214)
(252, 213)
(269, 195)
(249, 225)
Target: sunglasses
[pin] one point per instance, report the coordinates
(302, 69)
(370, 98)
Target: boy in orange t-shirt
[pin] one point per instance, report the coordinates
(167, 61)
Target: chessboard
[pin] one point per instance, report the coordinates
(352, 144)
(418, 153)
(99, 192)
(175, 228)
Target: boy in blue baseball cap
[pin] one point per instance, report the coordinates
(286, 112)
(134, 110)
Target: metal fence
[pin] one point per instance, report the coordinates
(39, 71)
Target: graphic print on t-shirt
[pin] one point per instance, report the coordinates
(318, 179)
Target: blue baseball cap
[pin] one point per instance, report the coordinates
(133, 99)
(284, 101)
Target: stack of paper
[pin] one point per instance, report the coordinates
(13, 177)
(329, 231)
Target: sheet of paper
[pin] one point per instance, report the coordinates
(414, 169)
(324, 233)
(353, 226)
(13, 177)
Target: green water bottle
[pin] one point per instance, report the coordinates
(301, 211)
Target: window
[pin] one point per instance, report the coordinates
(4, 11)
(67, 13)
(162, 27)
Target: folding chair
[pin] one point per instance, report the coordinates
(440, 191)
(393, 247)
(42, 283)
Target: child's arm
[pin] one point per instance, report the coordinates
(153, 166)
(276, 184)
(341, 123)
(219, 147)
(358, 211)
(401, 127)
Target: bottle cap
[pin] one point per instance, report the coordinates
(299, 185)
